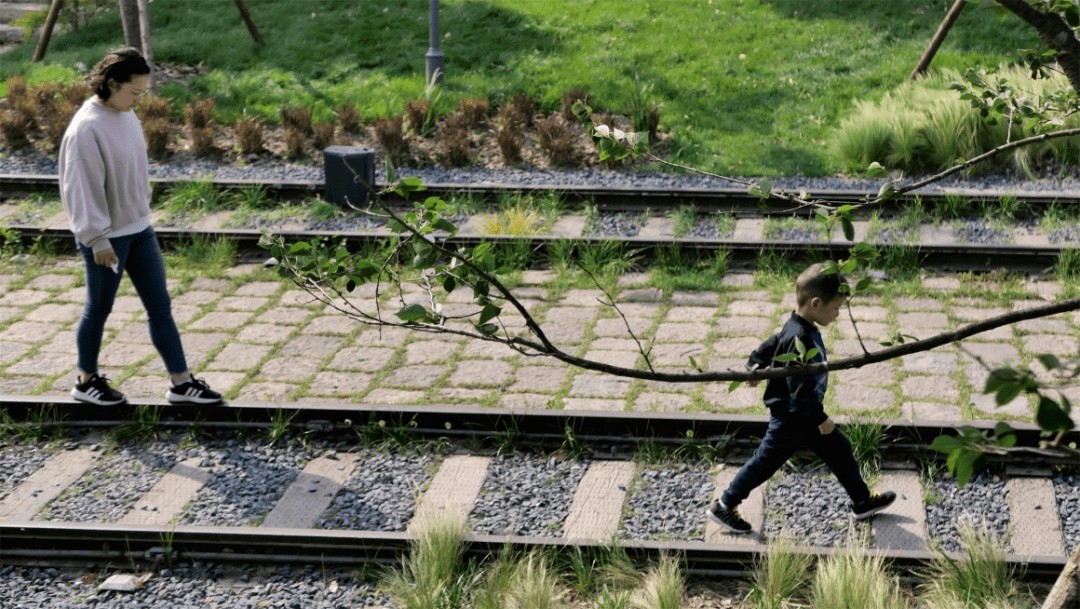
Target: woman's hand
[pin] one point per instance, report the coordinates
(106, 258)
(827, 427)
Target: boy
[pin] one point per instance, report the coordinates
(797, 413)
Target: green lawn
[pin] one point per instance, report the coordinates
(749, 87)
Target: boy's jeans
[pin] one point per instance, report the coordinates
(784, 437)
(140, 256)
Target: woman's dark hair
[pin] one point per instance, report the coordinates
(119, 65)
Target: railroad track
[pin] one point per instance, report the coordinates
(607, 441)
(744, 247)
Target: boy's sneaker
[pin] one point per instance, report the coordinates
(873, 505)
(728, 518)
(96, 390)
(192, 391)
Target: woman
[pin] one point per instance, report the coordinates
(105, 187)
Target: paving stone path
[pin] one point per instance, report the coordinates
(257, 338)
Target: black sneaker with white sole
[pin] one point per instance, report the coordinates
(192, 391)
(873, 505)
(728, 518)
(96, 390)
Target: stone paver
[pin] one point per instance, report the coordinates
(310, 493)
(294, 369)
(616, 328)
(622, 359)
(46, 484)
(1019, 407)
(196, 297)
(752, 510)
(282, 315)
(934, 388)
(751, 308)
(312, 346)
(393, 396)
(239, 356)
(539, 378)
(918, 304)
(990, 353)
(903, 525)
(11, 351)
(607, 405)
(930, 411)
(121, 355)
(921, 321)
(597, 385)
(739, 346)
(1050, 343)
(264, 333)
(258, 288)
(674, 354)
(59, 313)
(453, 490)
(1034, 525)
(681, 332)
(220, 321)
(430, 351)
(24, 298)
(484, 373)
(28, 332)
(598, 500)
(43, 364)
(51, 282)
(685, 314)
(581, 314)
(877, 375)
(241, 303)
(743, 397)
(168, 497)
(743, 326)
(340, 383)
(330, 324)
(414, 376)
(267, 392)
(361, 358)
(662, 402)
(933, 362)
(858, 397)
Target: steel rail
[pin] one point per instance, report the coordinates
(628, 199)
(51, 542)
(903, 440)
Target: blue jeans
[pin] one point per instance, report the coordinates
(784, 437)
(140, 256)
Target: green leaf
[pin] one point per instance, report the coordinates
(964, 466)
(733, 386)
(1050, 361)
(488, 329)
(863, 284)
(449, 283)
(849, 266)
(1007, 393)
(849, 229)
(301, 246)
(489, 312)
(801, 348)
(1051, 417)
(946, 444)
(444, 225)
(693, 363)
(786, 357)
(875, 170)
(812, 353)
(887, 191)
(413, 312)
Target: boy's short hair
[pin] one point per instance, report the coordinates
(812, 283)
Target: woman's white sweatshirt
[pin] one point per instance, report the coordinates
(104, 180)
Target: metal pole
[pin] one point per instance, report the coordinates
(434, 55)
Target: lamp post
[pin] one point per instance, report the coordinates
(434, 55)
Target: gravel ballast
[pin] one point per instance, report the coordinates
(1067, 492)
(981, 503)
(668, 503)
(19, 459)
(811, 508)
(381, 494)
(526, 495)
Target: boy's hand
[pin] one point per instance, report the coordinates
(827, 427)
(753, 383)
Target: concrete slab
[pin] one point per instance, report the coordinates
(482, 373)
(752, 511)
(168, 497)
(748, 229)
(311, 493)
(598, 500)
(453, 490)
(599, 385)
(662, 402)
(1034, 524)
(903, 525)
(46, 484)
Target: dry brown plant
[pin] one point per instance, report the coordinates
(297, 119)
(249, 134)
(415, 113)
(556, 140)
(199, 112)
(156, 131)
(474, 111)
(391, 136)
(324, 134)
(202, 141)
(349, 118)
(568, 99)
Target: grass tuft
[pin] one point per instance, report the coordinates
(851, 580)
(779, 574)
(664, 586)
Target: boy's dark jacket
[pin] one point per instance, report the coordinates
(795, 396)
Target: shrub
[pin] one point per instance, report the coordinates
(556, 140)
(153, 107)
(416, 112)
(198, 113)
(294, 143)
(456, 144)
(391, 136)
(55, 121)
(568, 99)
(156, 132)
(474, 111)
(297, 119)
(42, 97)
(349, 117)
(16, 89)
(509, 141)
(202, 141)
(14, 128)
(524, 107)
(324, 134)
(249, 134)
(76, 92)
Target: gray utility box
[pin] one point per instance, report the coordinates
(348, 169)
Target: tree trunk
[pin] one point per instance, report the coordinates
(246, 16)
(1055, 33)
(939, 37)
(129, 16)
(147, 49)
(46, 32)
(1067, 589)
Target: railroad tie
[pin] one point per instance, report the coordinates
(46, 484)
(752, 510)
(902, 526)
(1034, 524)
(162, 503)
(311, 493)
(598, 501)
(453, 490)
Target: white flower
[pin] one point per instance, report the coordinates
(603, 131)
